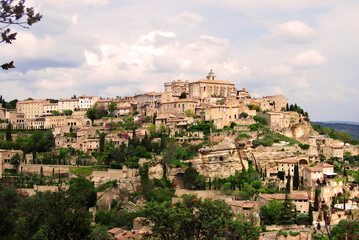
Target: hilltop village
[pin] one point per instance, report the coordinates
(196, 141)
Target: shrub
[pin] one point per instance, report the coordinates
(260, 120)
(304, 146)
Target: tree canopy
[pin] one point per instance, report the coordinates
(15, 13)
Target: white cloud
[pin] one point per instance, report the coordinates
(290, 32)
(307, 59)
(280, 70)
(189, 19)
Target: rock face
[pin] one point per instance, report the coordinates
(300, 130)
(155, 172)
(221, 160)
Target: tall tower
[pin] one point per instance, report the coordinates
(211, 75)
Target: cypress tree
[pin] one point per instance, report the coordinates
(102, 142)
(296, 177)
(310, 214)
(287, 188)
(209, 183)
(265, 172)
(288, 213)
(8, 133)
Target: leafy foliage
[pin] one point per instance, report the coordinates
(15, 14)
(43, 216)
(197, 219)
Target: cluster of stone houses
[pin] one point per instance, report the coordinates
(214, 99)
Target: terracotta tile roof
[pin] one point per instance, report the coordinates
(326, 165)
(314, 169)
(336, 146)
(248, 205)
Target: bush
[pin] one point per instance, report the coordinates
(282, 233)
(254, 127)
(302, 219)
(116, 165)
(243, 135)
(10, 171)
(304, 146)
(241, 195)
(260, 120)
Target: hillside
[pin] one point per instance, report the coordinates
(353, 129)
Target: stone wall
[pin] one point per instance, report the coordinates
(286, 228)
(35, 169)
(115, 173)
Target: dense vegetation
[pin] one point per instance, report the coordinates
(332, 129)
(59, 215)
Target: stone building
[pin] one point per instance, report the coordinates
(68, 104)
(311, 175)
(272, 103)
(177, 87)
(278, 120)
(2, 113)
(287, 165)
(5, 157)
(49, 107)
(86, 102)
(243, 95)
(31, 108)
(333, 151)
(204, 89)
(299, 198)
(148, 103)
(179, 106)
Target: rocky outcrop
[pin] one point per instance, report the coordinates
(301, 130)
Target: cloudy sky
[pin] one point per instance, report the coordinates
(306, 50)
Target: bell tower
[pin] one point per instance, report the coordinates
(211, 75)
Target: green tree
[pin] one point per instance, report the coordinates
(270, 213)
(189, 113)
(112, 107)
(190, 177)
(91, 114)
(346, 229)
(310, 215)
(196, 219)
(67, 112)
(343, 136)
(15, 160)
(296, 177)
(8, 132)
(15, 13)
(287, 188)
(102, 142)
(82, 191)
(243, 115)
(9, 200)
(288, 214)
(316, 199)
